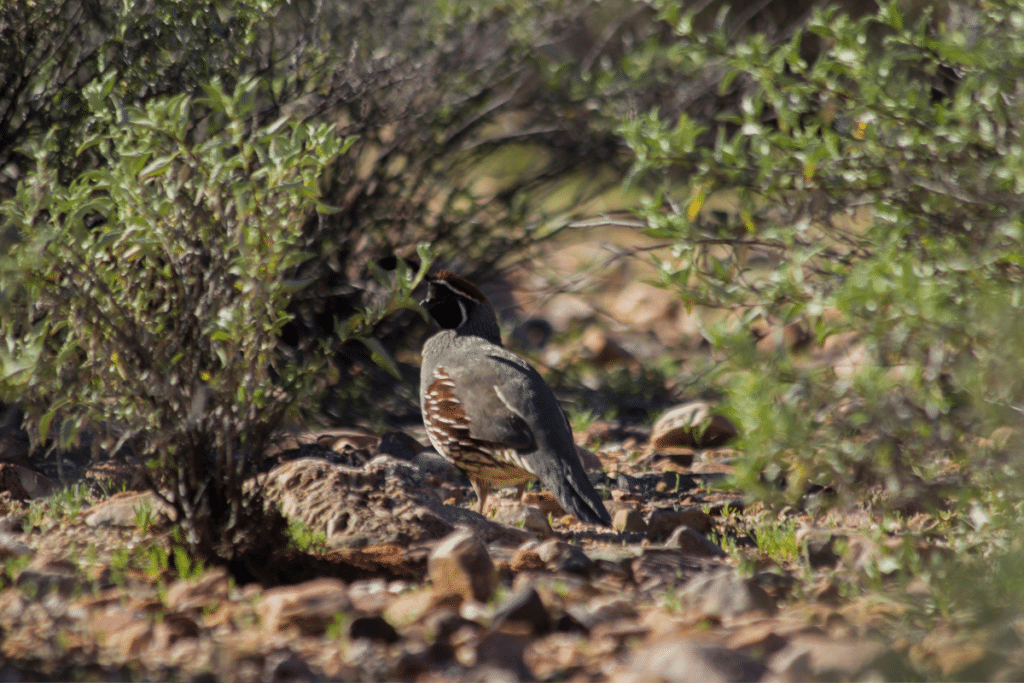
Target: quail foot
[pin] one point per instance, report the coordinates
(489, 412)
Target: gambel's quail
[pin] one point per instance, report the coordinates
(489, 411)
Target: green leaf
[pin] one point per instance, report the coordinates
(380, 356)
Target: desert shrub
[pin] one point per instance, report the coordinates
(874, 189)
(868, 189)
(466, 119)
(146, 297)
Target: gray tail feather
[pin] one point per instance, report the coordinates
(571, 487)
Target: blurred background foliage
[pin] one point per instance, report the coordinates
(851, 168)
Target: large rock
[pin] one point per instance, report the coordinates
(23, 483)
(460, 565)
(383, 502)
(386, 502)
(691, 425)
(723, 594)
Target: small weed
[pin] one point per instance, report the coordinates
(670, 599)
(35, 516)
(307, 540)
(14, 565)
(155, 562)
(778, 541)
(338, 629)
(726, 543)
(108, 488)
(144, 516)
(186, 567)
(581, 419)
(69, 501)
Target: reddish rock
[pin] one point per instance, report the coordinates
(691, 425)
(308, 607)
(200, 594)
(526, 560)
(545, 500)
(460, 565)
(122, 631)
(629, 520)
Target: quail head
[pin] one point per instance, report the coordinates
(489, 412)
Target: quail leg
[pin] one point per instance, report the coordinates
(482, 488)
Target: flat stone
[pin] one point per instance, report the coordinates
(819, 549)
(526, 560)
(503, 651)
(386, 501)
(675, 659)
(564, 557)
(399, 445)
(47, 574)
(370, 596)
(525, 517)
(545, 502)
(308, 607)
(604, 609)
(659, 569)
(645, 485)
(723, 594)
(11, 546)
(122, 509)
(23, 483)
(125, 632)
(822, 656)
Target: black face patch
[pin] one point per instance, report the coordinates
(445, 307)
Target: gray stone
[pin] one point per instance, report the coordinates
(659, 569)
(523, 609)
(124, 510)
(679, 660)
(663, 521)
(694, 543)
(724, 594)
(825, 657)
(525, 517)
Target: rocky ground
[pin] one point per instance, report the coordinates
(394, 576)
(408, 583)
